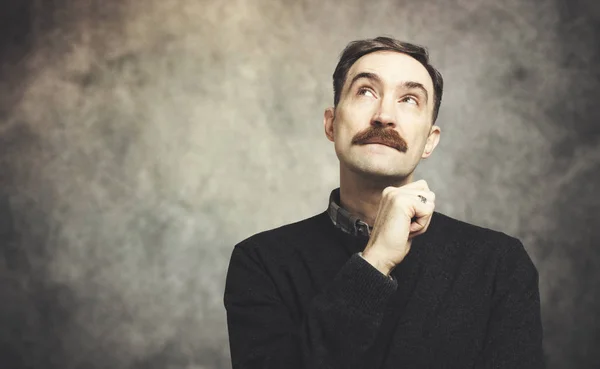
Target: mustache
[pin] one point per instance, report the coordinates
(386, 136)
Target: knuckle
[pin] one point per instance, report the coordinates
(387, 190)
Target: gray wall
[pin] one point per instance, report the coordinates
(139, 141)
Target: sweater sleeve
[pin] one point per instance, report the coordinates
(514, 336)
(341, 322)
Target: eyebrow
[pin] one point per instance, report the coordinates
(370, 76)
(375, 78)
(416, 85)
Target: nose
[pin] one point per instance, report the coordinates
(385, 114)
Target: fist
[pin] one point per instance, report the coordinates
(404, 213)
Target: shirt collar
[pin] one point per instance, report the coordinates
(343, 219)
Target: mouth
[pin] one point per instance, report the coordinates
(377, 142)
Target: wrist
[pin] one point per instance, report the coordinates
(379, 262)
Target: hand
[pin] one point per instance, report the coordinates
(401, 216)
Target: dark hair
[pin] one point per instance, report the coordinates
(356, 49)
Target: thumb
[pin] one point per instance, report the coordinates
(416, 224)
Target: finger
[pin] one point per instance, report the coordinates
(427, 194)
(412, 203)
(420, 184)
(420, 231)
(388, 189)
(423, 229)
(419, 223)
(422, 215)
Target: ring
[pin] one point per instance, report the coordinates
(423, 199)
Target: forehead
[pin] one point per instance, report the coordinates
(393, 68)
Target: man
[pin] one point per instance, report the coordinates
(379, 279)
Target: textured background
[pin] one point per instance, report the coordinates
(140, 140)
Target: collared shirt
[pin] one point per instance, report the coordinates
(346, 221)
(343, 219)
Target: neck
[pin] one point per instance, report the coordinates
(360, 195)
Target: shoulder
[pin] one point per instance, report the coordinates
(476, 245)
(448, 225)
(301, 230)
(469, 237)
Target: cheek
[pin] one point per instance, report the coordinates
(343, 134)
(421, 144)
(359, 109)
(412, 111)
(416, 140)
(345, 124)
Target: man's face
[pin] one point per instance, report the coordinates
(382, 127)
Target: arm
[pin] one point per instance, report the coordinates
(514, 337)
(341, 323)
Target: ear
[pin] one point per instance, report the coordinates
(328, 119)
(432, 140)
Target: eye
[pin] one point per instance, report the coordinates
(365, 92)
(410, 100)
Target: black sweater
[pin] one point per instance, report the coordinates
(300, 296)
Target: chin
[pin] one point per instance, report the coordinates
(378, 171)
(377, 166)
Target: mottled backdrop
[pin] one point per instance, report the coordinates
(140, 140)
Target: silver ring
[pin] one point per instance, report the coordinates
(423, 199)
